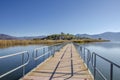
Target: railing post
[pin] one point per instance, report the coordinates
(53, 51)
(94, 66)
(49, 51)
(88, 58)
(84, 54)
(36, 57)
(80, 49)
(92, 60)
(23, 69)
(111, 71)
(43, 54)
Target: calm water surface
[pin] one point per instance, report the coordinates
(109, 50)
(13, 62)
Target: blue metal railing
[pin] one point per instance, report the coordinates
(47, 50)
(90, 58)
(19, 67)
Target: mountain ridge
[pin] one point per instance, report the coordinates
(113, 36)
(9, 37)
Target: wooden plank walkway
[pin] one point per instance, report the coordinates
(65, 65)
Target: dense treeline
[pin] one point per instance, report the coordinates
(61, 36)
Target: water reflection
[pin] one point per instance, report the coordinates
(13, 62)
(105, 44)
(110, 50)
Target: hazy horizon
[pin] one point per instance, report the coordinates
(56, 33)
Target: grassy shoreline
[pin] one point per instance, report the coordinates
(8, 43)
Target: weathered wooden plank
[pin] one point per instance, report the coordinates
(66, 64)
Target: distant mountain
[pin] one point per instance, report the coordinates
(30, 37)
(113, 36)
(7, 37)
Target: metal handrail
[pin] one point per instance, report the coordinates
(37, 57)
(26, 60)
(54, 48)
(91, 57)
(111, 66)
(107, 60)
(40, 48)
(19, 67)
(35, 52)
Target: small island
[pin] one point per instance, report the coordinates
(48, 40)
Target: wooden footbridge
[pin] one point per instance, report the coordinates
(65, 65)
(67, 61)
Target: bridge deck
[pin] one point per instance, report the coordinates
(66, 64)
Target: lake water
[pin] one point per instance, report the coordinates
(109, 50)
(13, 62)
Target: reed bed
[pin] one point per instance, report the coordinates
(8, 43)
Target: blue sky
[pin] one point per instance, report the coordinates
(42, 17)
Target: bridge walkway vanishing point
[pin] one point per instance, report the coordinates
(65, 65)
